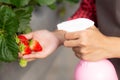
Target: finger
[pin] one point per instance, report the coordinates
(29, 60)
(35, 56)
(76, 49)
(78, 55)
(71, 35)
(20, 55)
(71, 43)
(29, 35)
(31, 56)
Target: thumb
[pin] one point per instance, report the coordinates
(29, 35)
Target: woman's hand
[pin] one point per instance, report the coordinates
(48, 40)
(92, 45)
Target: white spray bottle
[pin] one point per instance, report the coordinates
(100, 70)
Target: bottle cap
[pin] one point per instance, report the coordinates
(75, 25)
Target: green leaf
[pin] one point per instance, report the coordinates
(27, 30)
(73, 1)
(5, 1)
(52, 6)
(17, 3)
(46, 2)
(20, 3)
(8, 21)
(60, 1)
(8, 27)
(33, 2)
(8, 48)
(24, 17)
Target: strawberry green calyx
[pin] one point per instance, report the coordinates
(35, 46)
(24, 49)
(23, 62)
(17, 39)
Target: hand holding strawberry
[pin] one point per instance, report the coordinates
(26, 47)
(48, 41)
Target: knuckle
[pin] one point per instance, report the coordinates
(65, 35)
(83, 43)
(66, 44)
(76, 35)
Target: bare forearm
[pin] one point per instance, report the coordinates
(113, 45)
(60, 36)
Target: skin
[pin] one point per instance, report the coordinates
(92, 45)
(89, 44)
(48, 40)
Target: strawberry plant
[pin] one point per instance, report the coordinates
(15, 16)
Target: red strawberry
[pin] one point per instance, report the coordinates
(35, 46)
(24, 49)
(23, 39)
